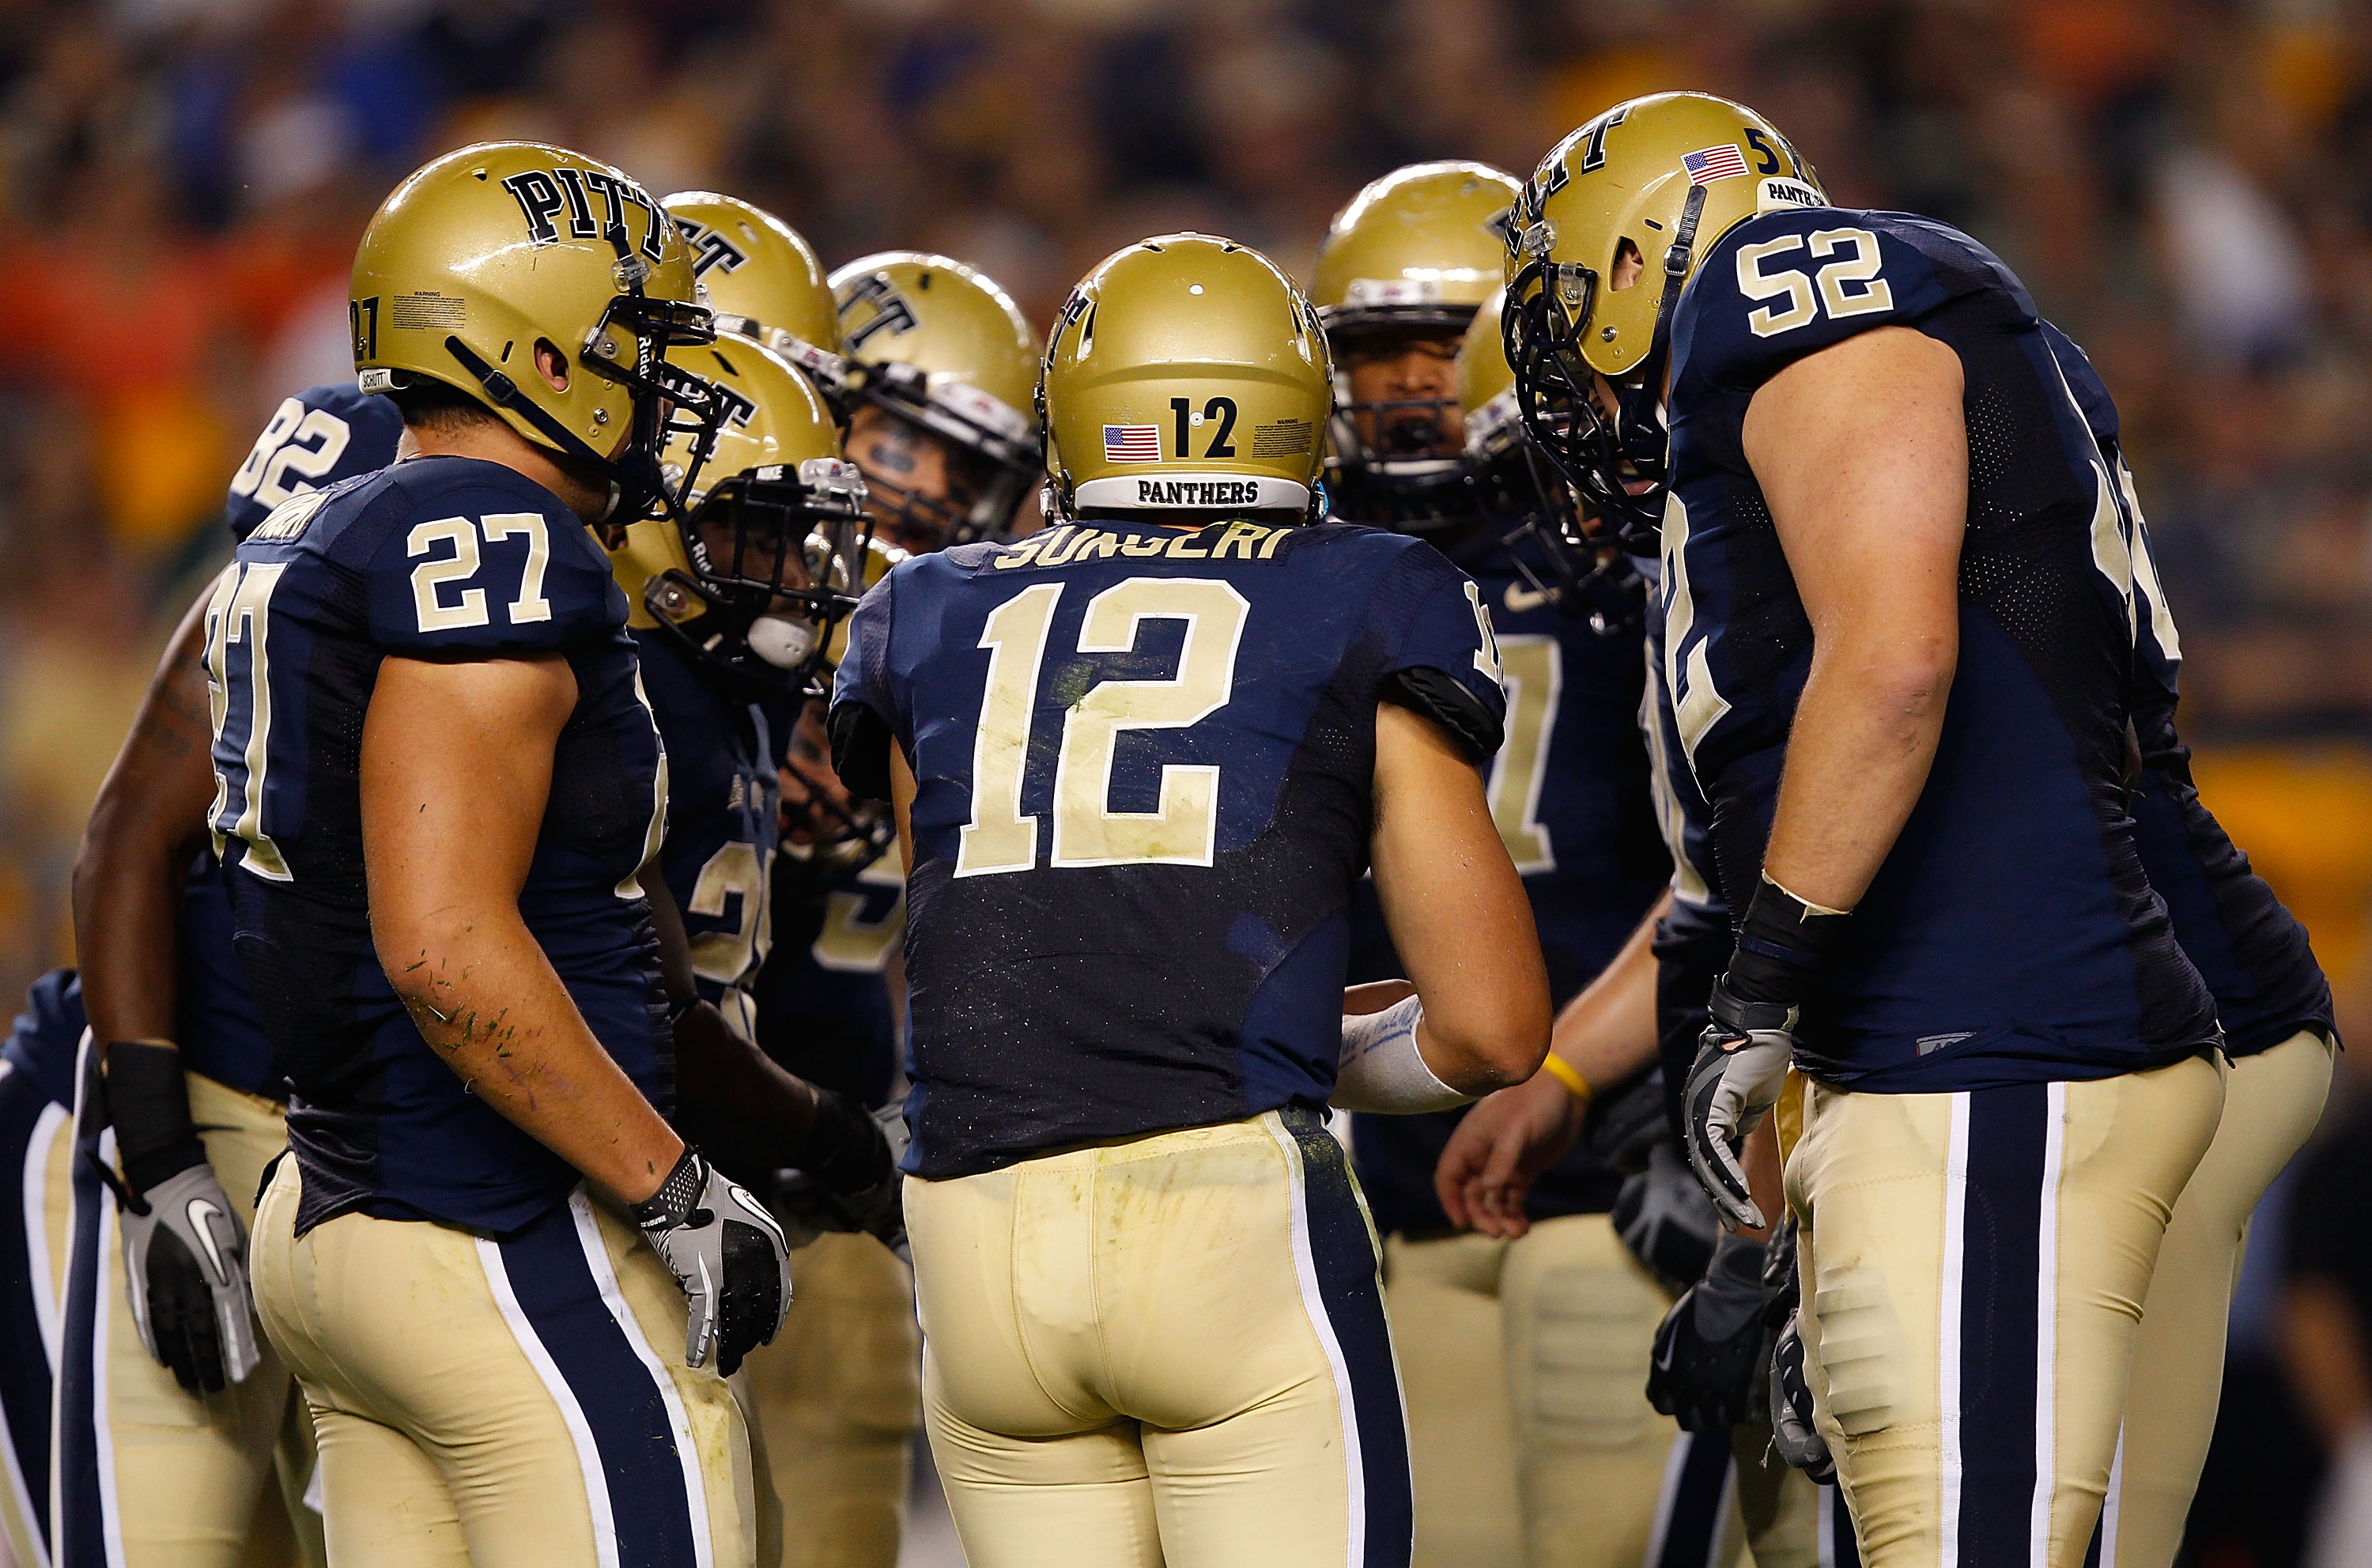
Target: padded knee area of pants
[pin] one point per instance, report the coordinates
(1860, 1347)
(1593, 1329)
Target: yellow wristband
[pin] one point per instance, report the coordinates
(1565, 1073)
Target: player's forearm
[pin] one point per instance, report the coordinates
(1607, 1032)
(1857, 757)
(148, 821)
(484, 994)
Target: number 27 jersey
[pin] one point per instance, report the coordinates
(1144, 776)
(438, 558)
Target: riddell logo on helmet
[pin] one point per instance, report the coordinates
(1197, 493)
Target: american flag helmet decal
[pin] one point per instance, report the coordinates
(1132, 444)
(1724, 162)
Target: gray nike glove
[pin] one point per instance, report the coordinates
(727, 1254)
(185, 1270)
(1742, 1064)
(1794, 1430)
(1708, 1363)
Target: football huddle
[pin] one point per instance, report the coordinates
(1535, 902)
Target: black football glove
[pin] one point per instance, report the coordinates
(728, 1255)
(1708, 1367)
(1662, 1216)
(184, 1251)
(808, 1207)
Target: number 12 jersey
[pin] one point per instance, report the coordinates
(1145, 789)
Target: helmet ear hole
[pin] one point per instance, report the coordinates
(552, 363)
(1629, 266)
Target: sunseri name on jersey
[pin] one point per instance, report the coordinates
(2011, 935)
(1141, 752)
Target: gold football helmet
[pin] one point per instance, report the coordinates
(486, 252)
(771, 555)
(1648, 185)
(1402, 270)
(763, 280)
(938, 345)
(1565, 557)
(1186, 374)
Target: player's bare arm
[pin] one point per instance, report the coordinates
(149, 816)
(1863, 455)
(1456, 909)
(1606, 1034)
(456, 770)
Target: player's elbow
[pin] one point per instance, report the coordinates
(426, 954)
(1493, 1035)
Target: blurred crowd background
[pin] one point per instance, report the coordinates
(2186, 185)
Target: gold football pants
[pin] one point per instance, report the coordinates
(2272, 1101)
(149, 1475)
(1165, 1351)
(503, 1401)
(1973, 1267)
(838, 1397)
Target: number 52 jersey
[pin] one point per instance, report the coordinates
(1144, 767)
(438, 558)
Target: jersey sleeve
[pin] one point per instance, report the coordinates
(485, 567)
(1789, 284)
(1445, 662)
(318, 438)
(867, 716)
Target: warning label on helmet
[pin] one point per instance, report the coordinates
(430, 310)
(1286, 438)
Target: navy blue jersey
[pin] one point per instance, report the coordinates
(47, 1035)
(722, 822)
(1571, 794)
(2250, 949)
(1145, 763)
(440, 558)
(2011, 935)
(313, 440)
(217, 1029)
(823, 998)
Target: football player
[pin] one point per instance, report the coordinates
(37, 1063)
(1139, 761)
(943, 372)
(734, 613)
(2275, 1006)
(1529, 1439)
(438, 780)
(1896, 561)
(171, 1415)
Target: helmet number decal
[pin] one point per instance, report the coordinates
(305, 442)
(1766, 158)
(1847, 287)
(362, 315)
(1182, 829)
(1222, 410)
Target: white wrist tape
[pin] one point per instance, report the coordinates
(1380, 1069)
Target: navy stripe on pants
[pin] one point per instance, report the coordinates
(621, 1398)
(24, 1354)
(2001, 1268)
(1344, 1251)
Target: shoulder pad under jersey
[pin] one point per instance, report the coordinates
(314, 439)
(463, 556)
(1790, 283)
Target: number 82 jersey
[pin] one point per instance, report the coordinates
(436, 558)
(1145, 762)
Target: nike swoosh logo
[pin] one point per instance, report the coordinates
(1521, 598)
(1664, 1358)
(200, 1212)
